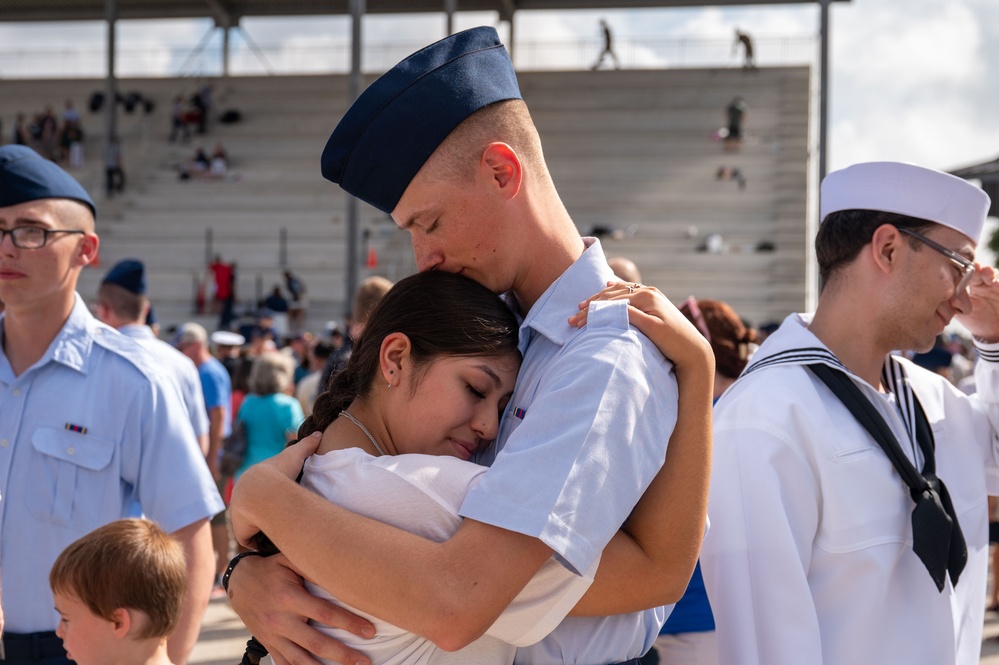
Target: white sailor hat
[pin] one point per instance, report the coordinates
(226, 338)
(907, 189)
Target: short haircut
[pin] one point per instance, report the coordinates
(322, 350)
(507, 122)
(191, 332)
(625, 269)
(842, 235)
(126, 305)
(130, 563)
(272, 372)
(368, 294)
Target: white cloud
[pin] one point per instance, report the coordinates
(912, 84)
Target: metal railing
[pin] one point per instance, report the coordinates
(186, 60)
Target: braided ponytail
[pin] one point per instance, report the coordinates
(345, 386)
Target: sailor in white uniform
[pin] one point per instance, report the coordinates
(848, 490)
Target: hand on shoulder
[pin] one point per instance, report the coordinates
(658, 319)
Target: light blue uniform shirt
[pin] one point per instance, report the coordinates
(177, 367)
(83, 432)
(582, 438)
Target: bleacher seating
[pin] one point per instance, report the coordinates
(631, 153)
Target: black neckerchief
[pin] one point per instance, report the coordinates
(936, 534)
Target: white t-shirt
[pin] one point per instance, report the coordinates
(422, 494)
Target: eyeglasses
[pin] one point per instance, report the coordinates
(965, 266)
(32, 237)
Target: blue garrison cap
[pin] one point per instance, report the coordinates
(396, 124)
(129, 274)
(27, 176)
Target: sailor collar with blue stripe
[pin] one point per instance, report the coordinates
(794, 344)
(585, 277)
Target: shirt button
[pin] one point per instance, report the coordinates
(3, 443)
(16, 392)
(71, 450)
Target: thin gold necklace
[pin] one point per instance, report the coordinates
(364, 429)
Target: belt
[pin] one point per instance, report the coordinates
(32, 646)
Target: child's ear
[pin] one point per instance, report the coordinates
(121, 619)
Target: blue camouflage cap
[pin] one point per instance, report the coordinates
(394, 126)
(130, 274)
(27, 176)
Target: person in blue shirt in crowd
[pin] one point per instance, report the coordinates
(191, 339)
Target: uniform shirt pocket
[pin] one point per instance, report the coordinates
(68, 480)
(865, 503)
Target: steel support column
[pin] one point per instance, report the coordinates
(353, 205)
(111, 92)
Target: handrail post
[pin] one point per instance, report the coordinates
(209, 245)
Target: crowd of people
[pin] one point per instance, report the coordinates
(525, 479)
(205, 166)
(57, 137)
(191, 112)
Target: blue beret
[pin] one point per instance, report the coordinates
(396, 124)
(128, 274)
(27, 176)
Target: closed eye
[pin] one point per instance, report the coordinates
(433, 227)
(479, 394)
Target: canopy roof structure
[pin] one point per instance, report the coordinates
(988, 174)
(228, 12)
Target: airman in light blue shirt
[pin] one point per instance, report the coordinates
(85, 425)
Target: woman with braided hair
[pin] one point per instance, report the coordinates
(422, 394)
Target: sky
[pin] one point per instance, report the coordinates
(910, 79)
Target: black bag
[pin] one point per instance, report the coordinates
(233, 450)
(230, 117)
(96, 102)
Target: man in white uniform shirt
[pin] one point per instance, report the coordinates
(832, 541)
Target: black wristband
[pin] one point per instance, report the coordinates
(232, 566)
